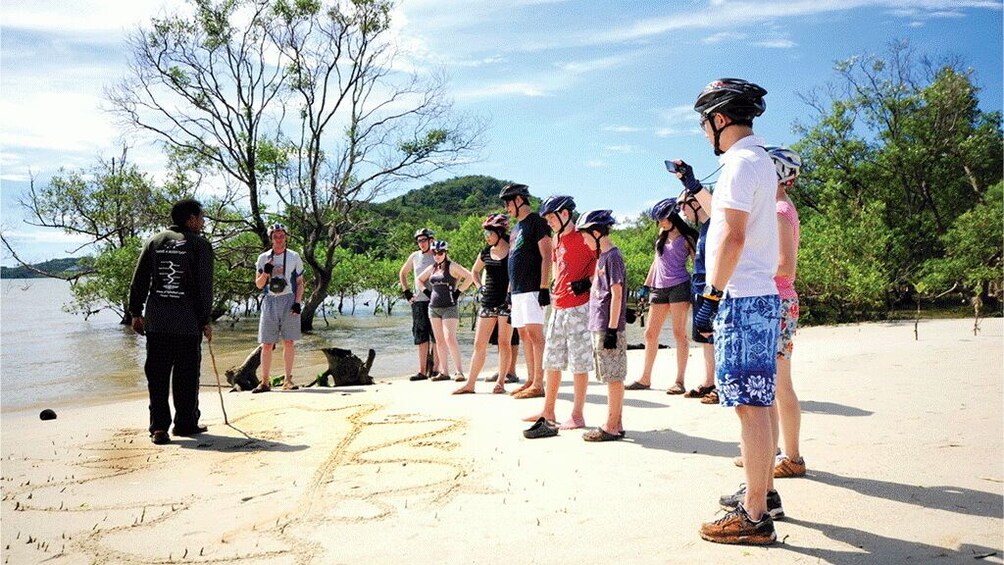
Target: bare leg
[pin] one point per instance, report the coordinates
(657, 317)
(679, 312)
(615, 406)
(482, 332)
(437, 330)
(553, 383)
(534, 354)
(515, 353)
(788, 409)
(578, 420)
(450, 335)
(266, 364)
(709, 363)
(758, 456)
(288, 354)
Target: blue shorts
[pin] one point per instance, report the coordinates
(746, 333)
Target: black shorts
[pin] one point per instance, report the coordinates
(676, 293)
(421, 328)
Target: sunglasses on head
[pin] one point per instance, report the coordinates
(439, 253)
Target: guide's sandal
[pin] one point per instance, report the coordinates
(699, 392)
(599, 434)
(677, 388)
(540, 428)
(260, 388)
(188, 432)
(637, 386)
(160, 437)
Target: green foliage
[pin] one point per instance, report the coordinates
(973, 251)
(108, 287)
(842, 264)
(636, 240)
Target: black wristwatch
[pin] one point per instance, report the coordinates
(712, 293)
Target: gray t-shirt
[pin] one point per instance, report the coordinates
(420, 262)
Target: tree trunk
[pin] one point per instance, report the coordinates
(321, 281)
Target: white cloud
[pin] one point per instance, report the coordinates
(501, 89)
(46, 236)
(723, 36)
(777, 44)
(595, 164)
(82, 16)
(621, 149)
(622, 129)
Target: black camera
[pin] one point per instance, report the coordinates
(276, 285)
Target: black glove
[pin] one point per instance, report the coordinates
(544, 297)
(610, 339)
(631, 315)
(690, 182)
(408, 294)
(705, 311)
(296, 308)
(427, 293)
(456, 295)
(267, 269)
(581, 286)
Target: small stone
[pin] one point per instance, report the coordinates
(47, 414)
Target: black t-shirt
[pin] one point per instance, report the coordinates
(524, 253)
(496, 279)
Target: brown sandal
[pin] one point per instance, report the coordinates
(699, 392)
(677, 388)
(710, 398)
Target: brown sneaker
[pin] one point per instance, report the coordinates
(737, 528)
(786, 468)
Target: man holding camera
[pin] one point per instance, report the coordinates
(280, 275)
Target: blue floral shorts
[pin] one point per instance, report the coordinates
(746, 334)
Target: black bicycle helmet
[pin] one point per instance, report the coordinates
(736, 98)
(511, 191)
(555, 204)
(425, 232)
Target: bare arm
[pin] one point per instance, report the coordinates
(650, 278)
(461, 274)
(730, 247)
(402, 275)
(423, 277)
(544, 244)
(789, 255)
(476, 270)
(616, 291)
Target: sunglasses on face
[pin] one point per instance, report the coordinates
(439, 253)
(422, 240)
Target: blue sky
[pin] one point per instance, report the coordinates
(583, 97)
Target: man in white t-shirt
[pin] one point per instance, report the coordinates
(279, 273)
(740, 303)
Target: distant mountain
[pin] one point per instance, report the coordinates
(447, 203)
(67, 265)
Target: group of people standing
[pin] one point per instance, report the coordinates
(742, 239)
(745, 308)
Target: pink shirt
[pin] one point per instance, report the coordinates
(787, 213)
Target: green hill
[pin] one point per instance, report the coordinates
(65, 266)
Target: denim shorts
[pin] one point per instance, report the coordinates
(746, 334)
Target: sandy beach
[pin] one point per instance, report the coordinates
(903, 440)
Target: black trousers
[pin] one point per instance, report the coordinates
(173, 360)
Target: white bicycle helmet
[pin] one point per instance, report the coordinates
(787, 162)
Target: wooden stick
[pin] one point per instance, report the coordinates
(219, 386)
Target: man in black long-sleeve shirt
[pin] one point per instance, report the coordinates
(174, 278)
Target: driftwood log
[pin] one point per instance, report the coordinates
(345, 368)
(245, 375)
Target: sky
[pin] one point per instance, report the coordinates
(582, 97)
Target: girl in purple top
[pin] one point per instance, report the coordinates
(668, 290)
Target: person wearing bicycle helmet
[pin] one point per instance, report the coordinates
(280, 278)
(567, 343)
(442, 283)
(529, 282)
(494, 311)
(787, 411)
(607, 319)
(669, 294)
(690, 208)
(421, 328)
(740, 305)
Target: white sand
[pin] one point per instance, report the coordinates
(902, 438)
